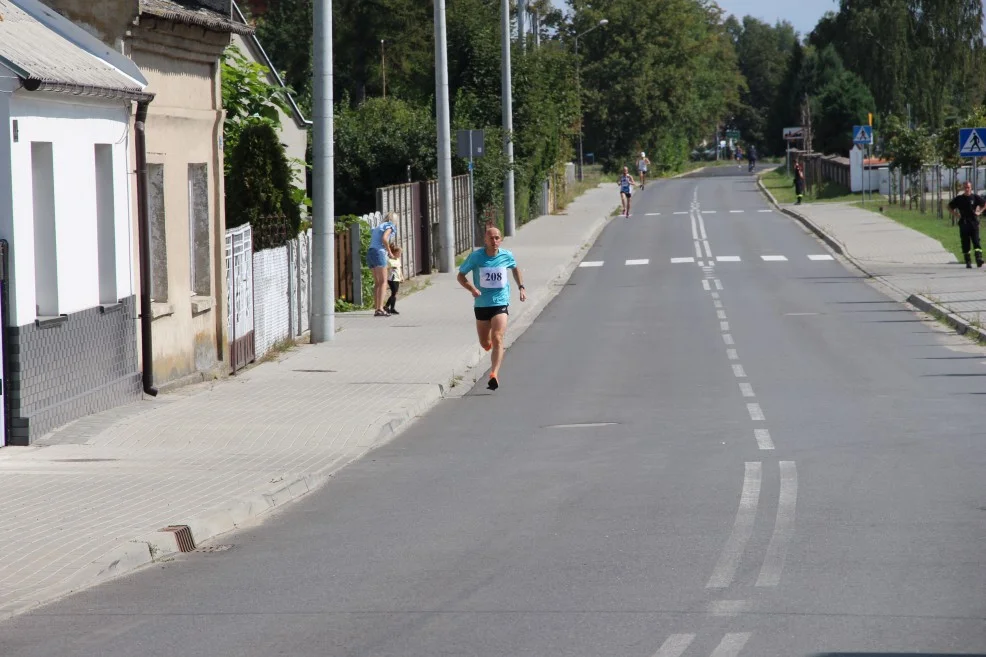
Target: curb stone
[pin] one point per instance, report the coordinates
(159, 547)
(919, 302)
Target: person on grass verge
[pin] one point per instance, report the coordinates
(967, 207)
(799, 181)
(377, 255)
(490, 287)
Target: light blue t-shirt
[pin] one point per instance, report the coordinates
(376, 235)
(490, 276)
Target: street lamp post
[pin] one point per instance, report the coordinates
(578, 85)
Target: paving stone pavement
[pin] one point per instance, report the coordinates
(902, 257)
(85, 503)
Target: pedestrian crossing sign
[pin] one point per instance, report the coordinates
(972, 142)
(862, 134)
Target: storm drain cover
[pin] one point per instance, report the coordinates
(183, 537)
(209, 549)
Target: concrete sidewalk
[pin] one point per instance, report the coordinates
(914, 266)
(87, 502)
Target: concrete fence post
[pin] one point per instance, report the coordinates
(355, 260)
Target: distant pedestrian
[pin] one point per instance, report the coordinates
(490, 287)
(739, 157)
(967, 207)
(376, 259)
(799, 181)
(751, 154)
(626, 190)
(394, 280)
(642, 164)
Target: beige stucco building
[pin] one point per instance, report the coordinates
(178, 49)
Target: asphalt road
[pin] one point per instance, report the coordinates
(723, 457)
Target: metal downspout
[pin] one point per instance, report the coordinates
(144, 239)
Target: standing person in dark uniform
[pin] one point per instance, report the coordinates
(967, 207)
(799, 181)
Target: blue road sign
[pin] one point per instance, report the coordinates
(972, 142)
(862, 134)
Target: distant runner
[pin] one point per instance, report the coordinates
(642, 165)
(490, 287)
(751, 154)
(967, 207)
(626, 190)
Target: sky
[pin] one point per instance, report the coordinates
(803, 14)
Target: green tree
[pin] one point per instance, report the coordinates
(661, 75)
(248, 97)
(375, 143)
(258, 188)
(841, 104)
(286, 34)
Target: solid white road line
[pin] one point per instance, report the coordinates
(773, 563)
(820, 257)
(634, 263)
(678, 261)
(718, 284)
(705, 285)
(698, 249)
(721, 314)
(732, 354)
(756, 413)
(763, 439)
(732, 552)
(731, 644)
(774, 258)
(728, 339)
(591, 263)
(747, 390)
(739, 372)
(675, 645)
(728, 608)
(723, 326)
(727, 258)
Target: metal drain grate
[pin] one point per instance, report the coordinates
(183, 536)
(208, 549)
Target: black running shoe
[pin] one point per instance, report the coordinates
(493, 383)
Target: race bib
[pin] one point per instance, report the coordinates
(493, 278)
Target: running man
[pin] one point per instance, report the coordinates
(967, 207)
(642, 165)
(626, 190)
(490, 287)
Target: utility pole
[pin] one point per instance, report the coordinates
(323, 192)
(383, 67)
(446, 256)
(508, 124)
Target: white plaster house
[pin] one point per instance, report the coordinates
(70, 307)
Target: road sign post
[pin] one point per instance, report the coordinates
(862, 135)
(792, 134)
(471, 144)
(972, 143)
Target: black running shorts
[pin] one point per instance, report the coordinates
(486, 313)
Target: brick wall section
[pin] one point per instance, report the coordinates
(84, 365)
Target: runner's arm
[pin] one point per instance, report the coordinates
(466, 283)
(520, 283)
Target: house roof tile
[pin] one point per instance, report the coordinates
(193, 13)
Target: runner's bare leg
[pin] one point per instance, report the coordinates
(484, 332)
(498, 326)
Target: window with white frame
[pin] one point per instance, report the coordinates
(45, 252)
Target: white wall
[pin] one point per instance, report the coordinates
(74, 126)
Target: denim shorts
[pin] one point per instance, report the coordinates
(376, 258)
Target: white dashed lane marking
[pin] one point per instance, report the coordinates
(727, 258)
(728, 339)
(679, 261)
(736, 211)
(774, 258)
(746, 389)
(731, 644)
(756, 413)
(591, 263)
(739, 372)
(706, 286)
(675, 645)
(763, 439)
(634, 263)
(820, 257)
(723, 326)
(732, 354)
(653, 214)
(765, 211)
